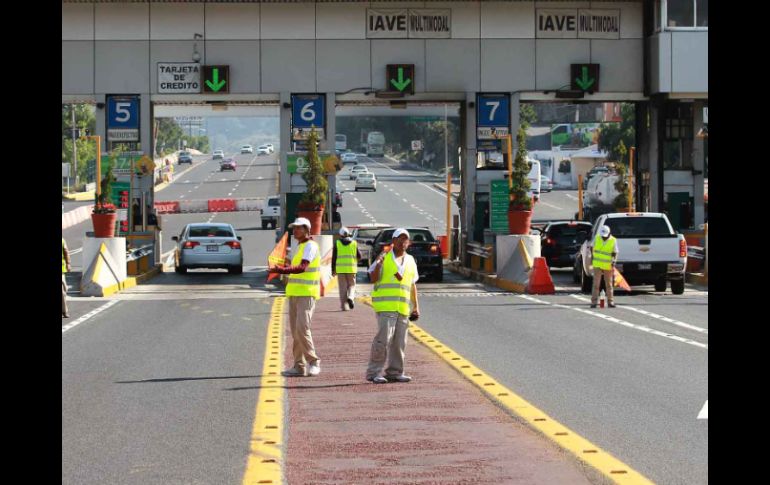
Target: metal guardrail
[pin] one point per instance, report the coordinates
(139, 252)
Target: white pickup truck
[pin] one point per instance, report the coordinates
(271, 212)
(649, 251)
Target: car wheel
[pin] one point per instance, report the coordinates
(264, 224)
(586, 283)
(274, 224)
(235, 269)
(439, 276)
(180, 269)
(660, 285)
(356, 189)
(575, 269)
(677, 287)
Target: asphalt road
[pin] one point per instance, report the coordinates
(160, 387)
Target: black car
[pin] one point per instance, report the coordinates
(424, 248)
(184, 157)
(560, 241)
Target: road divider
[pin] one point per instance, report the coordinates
(74, 217)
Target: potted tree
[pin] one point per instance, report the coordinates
(313, 201)
(520, 205)
(621, 186)
(105, 214)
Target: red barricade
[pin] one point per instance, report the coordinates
(222, 205)
(167, 207)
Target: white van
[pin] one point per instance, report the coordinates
(534, 178)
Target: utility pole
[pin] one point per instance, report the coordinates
(74, 145)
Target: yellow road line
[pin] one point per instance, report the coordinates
(584, 450)
(264, 464)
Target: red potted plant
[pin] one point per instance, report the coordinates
(313, 201)
(104, 215)
(520, 205)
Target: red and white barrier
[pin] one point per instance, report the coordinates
(211, 205)
(73, 217)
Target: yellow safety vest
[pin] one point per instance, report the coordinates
(63, 261)
(602, 254)
(347, 263)
(309, 282)
(391, 295)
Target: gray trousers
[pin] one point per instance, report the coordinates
(64, 309)
(608, 276)
(300, 313)
(347, 282)
(390, 343)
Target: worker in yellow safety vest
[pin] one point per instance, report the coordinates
(65, 267)
(345, 258)
(603, 257)
(302, 290)
(394, 274)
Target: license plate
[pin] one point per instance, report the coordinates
(212, 249)
(645, 266)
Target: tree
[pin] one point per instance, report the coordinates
(612, 135)
(85, 119)
(520, 184)
(317, 186)
(621, 185)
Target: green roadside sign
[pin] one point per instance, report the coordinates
(498, 206)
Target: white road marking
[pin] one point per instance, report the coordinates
(619, 322)
(704, 412)
(654, 315)
(442, 194)
(571, 196)
(76, 251)
(378, 163)
(181, 196)
(405, 201)
(550, 205)
(87, 316)
(396, 193)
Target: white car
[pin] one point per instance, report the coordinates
(649, 251)
(208, 245)
(366, 180)
(356, 170)
(349, 157)
(218, 154)
(270, 147)
(247, 149)
(263, 150)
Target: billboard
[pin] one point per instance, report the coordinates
(574, 135)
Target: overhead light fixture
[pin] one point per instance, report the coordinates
(196, 56)
(569, 94)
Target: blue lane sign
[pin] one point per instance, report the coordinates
(123, 118)
(493, 110)
(307, 110)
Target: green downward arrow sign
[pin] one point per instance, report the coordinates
(217, 84)
(585, 82)
(402, 83)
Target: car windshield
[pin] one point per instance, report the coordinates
(630, 227)
(210, 231)
(415, 235)
(564, 230)
(184, 154)
(366, 176)
(367, 233)
(273, 202)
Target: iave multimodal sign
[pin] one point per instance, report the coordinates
(566, 23)
(417, 23)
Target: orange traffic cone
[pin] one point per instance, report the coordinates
(601, 299)
(540, 282)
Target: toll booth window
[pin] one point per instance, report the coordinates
(677, 148)
(687, 13)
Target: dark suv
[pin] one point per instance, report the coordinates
(184, 157)
(424, 248)
(560, 241)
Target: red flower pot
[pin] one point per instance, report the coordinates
(519, 221)
(315, 216)
(104, 224)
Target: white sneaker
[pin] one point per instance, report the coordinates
(313, 370)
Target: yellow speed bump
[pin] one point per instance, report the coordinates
(584, 450)
(265, 461)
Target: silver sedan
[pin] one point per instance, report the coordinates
(208, 245)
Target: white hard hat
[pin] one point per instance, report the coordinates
(300, 221)
(604, 231)
(344, 231)
(398, 232)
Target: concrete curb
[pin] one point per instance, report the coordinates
(697, 279)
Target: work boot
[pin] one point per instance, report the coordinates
(293, 372)
(351, 304)
(377, 380)
(399, 378)
(593, 305)
(611, 305)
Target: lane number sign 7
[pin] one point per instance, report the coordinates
(494, 105)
